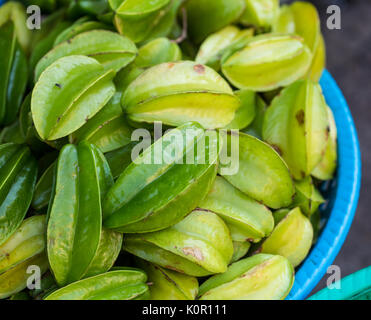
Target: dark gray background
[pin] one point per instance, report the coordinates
(349, 61)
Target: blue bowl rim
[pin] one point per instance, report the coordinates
(337, 227)
(345, 203)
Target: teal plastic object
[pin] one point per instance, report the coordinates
(356, 286)
(342, 192)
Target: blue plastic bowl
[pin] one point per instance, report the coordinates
(343, 195)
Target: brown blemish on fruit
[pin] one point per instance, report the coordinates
(170, 65)
(327, 132)
(195, 252)
(174, 269)
(199, 68)
(300, 115)
(296, 37)
(233, 132)
(258, 270)
(205, 210)
(278, 149)
(257, 251)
